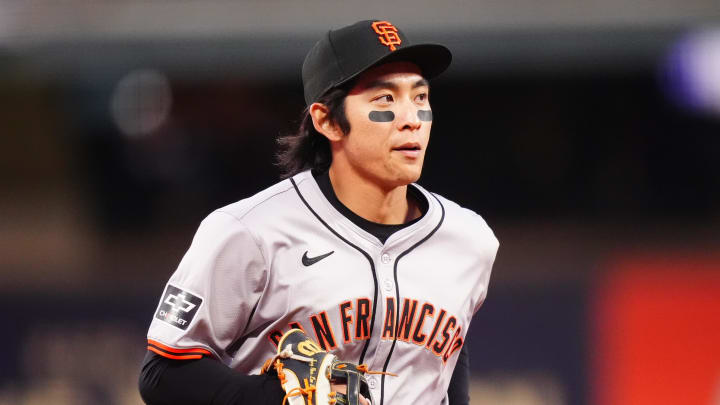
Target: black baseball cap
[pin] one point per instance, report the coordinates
(343, 54)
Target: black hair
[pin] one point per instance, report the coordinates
(307, 148)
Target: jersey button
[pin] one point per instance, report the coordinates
(388, 285)
(372, 382)
(385, 258)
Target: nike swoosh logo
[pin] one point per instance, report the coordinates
(309, 261)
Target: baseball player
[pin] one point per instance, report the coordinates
(347, 248)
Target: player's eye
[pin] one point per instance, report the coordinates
(385, 98)
(421, 98)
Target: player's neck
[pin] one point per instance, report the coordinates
(383, 205)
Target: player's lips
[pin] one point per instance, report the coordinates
(409, 149)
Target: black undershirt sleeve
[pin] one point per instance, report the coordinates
(459, 389)
(205, 381)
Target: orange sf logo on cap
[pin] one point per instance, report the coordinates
(387, 34)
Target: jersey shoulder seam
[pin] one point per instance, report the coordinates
(247, 210)
(249, 231)
(452, 207)
(256, 239)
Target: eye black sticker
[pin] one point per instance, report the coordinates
(178, 307)
(425, 115)
(382, 116)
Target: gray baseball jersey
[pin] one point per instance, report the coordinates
(286, 258)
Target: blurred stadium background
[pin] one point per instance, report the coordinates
(586, 133)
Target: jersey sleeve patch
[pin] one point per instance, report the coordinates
(178, 307)
(177, 354)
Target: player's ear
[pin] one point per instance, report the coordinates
(323, 123)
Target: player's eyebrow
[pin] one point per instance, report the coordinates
(421, 83)
(382, 84)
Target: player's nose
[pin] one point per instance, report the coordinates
(408, 117)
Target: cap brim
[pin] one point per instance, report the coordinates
(432, 59)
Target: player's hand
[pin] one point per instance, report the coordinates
(342, 389)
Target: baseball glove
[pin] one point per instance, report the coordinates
(307, 373)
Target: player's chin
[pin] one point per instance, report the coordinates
(409, 173)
